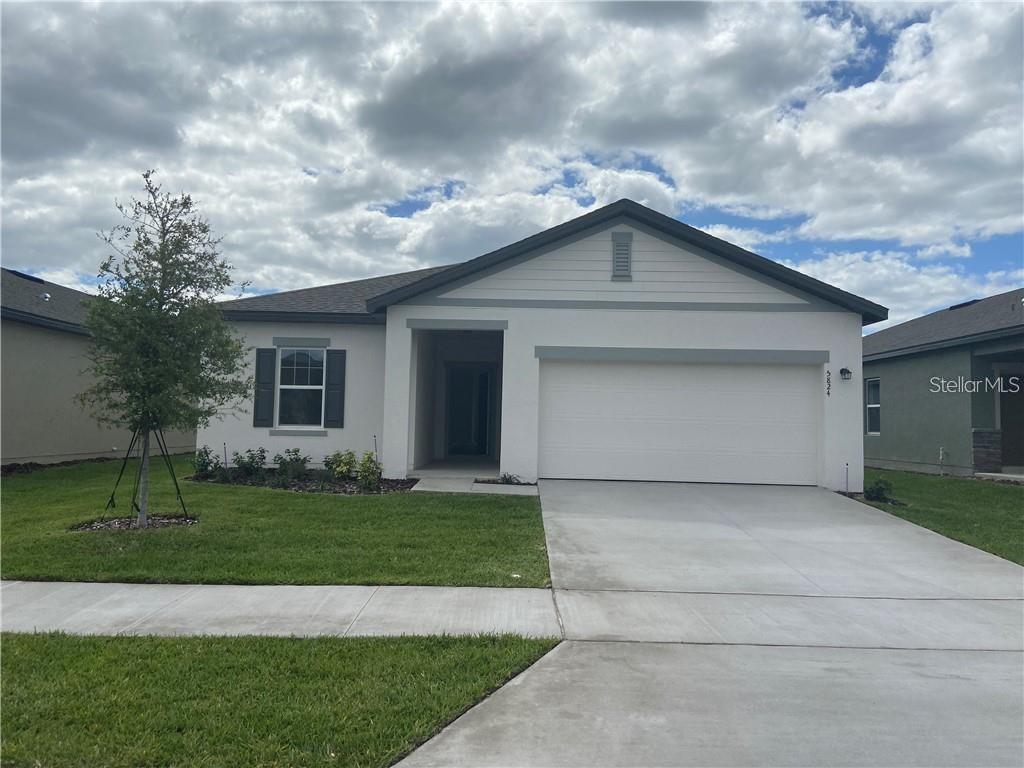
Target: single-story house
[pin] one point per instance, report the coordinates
(622, 344)
(945, 392)
(43, 344)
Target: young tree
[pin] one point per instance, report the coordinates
(162, 356)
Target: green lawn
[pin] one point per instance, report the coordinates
(252, 535)
(986, 515)
(158, 701)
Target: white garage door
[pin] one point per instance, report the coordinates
(681, 422)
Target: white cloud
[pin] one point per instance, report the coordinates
(930, 150)
(746, 237)
(892, 279)
(69, 279)
(938, 250)
(293, 124)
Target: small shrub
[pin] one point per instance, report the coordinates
(369, 472)
(250, 464)
(341, 464)
(292, 465)
(507, 478)
(206, 464)
(331, 461)
(880, 490)
(278, 480)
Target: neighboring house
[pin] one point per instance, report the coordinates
(619, 345)
(42, 355)
(939, 390)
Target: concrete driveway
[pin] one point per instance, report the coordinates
(754, 625)
(754, 539)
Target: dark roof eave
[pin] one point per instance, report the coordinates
(17, 315)
(960, 341)
(340, 318)
(869, 311)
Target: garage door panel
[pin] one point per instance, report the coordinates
(705, 423)
(640, 402)
(697, 433)
(701, 467)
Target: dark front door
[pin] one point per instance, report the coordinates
(1011, 422)
(471, 406)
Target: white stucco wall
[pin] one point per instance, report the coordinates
(364, 393)
(838, 332)
(426, 398)
(678, 299)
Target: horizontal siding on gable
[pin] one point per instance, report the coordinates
(662, 272)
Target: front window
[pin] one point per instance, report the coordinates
(873, 404)
(300, 400)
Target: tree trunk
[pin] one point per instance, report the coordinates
(144, 481)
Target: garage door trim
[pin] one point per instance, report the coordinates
(671, 355)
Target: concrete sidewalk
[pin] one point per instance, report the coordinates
(470, 485)
(186, 609)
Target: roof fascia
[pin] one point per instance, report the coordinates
(269, 316)
(17, 315)
(1001, 333)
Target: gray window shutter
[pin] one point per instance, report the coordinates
(266, 377)
(622, 255)
(334, 389)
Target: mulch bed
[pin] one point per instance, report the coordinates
(131, 523)
(349, 487)
(891, 502)
(312, 482)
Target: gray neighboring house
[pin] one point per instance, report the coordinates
(42, 357)
(945, 392)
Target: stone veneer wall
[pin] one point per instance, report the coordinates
(988, 450)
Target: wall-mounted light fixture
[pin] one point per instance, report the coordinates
(846, 373)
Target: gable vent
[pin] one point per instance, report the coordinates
(622, 255)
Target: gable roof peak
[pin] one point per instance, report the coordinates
(869, 311)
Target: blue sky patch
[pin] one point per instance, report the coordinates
(875, 48)
(571, 180)
(997, 254)
(406, 207)
(708, 215)
(421, 199)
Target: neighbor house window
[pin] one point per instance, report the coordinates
(873, 404)
(300, 399)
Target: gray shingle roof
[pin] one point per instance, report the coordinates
(365, 300)
(1003, 312)
(340, 299)
(22, 298)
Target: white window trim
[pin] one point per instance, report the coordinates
(280, 386)
(868, 406)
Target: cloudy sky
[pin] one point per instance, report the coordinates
(878, 147)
